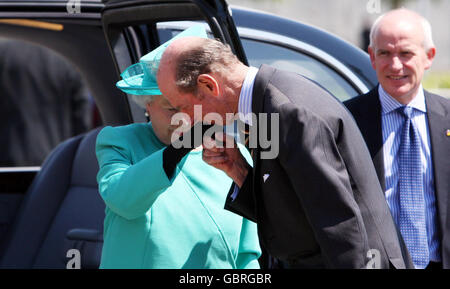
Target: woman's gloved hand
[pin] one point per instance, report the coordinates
(189, 140)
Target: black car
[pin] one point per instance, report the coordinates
(51, 215)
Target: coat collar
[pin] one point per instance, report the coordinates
(261, 82)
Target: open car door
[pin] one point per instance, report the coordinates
(133, 28)
(120, 14)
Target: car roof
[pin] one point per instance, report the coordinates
(353, 57)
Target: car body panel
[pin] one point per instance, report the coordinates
(351, 56)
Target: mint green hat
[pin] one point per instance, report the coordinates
(140, 78)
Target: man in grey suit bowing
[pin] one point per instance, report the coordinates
(407, 130)
(318, 203)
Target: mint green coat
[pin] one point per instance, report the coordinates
(154, 222)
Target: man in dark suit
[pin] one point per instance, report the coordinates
(401, 49)
(44, 101)
(317, 201)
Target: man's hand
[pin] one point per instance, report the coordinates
(226, 157)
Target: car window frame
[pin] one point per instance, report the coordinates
(289, 43)
(306, 49)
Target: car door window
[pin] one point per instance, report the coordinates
(141, 40)
(43, 101)
(170, 29)
(259, 52)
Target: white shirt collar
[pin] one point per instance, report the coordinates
(246, 96)
(388, 103)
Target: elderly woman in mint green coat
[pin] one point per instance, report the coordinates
(158, 221)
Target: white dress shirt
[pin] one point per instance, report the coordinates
(245, 105)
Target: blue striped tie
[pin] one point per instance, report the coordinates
(412, 222)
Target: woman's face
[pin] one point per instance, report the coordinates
(161, 113)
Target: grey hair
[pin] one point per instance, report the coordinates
(210, 56)
(142, 100)
(426, 26)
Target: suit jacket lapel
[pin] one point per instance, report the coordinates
(261, 81)
(440, 151)
(369, 120)
(259, 87)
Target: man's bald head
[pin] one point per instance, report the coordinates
(180, 46)
(400, 51)
(200, 71)
(405, 18)
(186, 58)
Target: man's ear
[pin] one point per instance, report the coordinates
(208, 85)
(430, 56)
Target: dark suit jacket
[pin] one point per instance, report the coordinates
(43, 102)
(322, 204)
(366, 110)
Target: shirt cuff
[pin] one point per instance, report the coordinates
(235, 192)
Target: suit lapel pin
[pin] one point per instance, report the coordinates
(448, 132)
(265, 177)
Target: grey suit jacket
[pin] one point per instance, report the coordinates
(322, 204)
(366, 110)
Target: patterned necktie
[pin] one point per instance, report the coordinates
(412, 221)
